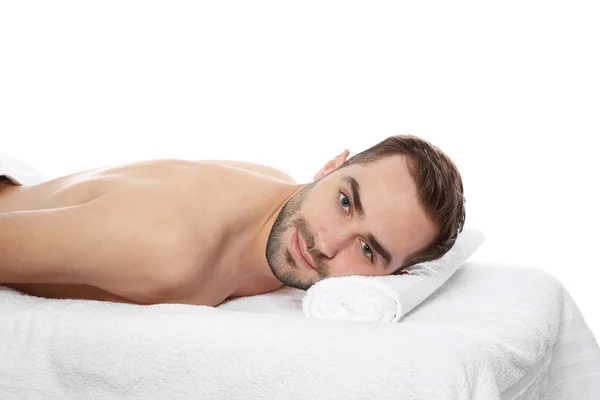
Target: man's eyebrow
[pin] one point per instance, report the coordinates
(355, 189)
(380, 249)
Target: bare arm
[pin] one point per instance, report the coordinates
(103, 243)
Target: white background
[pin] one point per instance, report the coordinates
(510, 90)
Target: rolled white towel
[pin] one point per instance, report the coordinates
(387, 298)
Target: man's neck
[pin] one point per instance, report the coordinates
(252, 271)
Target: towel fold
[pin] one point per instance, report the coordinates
(387, 298)
(19, 172)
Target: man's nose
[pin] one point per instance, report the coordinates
(330, 240)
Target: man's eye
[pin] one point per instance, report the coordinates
(344, 202)
(367, 250)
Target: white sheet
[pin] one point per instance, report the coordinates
(472, 339)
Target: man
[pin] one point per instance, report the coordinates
(200, 232)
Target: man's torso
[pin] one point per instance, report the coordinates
(220, 200)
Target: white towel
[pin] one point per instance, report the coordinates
(387, 298)
(497, 333)
(19, 172)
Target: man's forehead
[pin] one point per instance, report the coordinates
(389, 167)
(388, 180)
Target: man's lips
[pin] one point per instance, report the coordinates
(304, 251)
(300, 251)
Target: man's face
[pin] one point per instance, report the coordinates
(357, 220)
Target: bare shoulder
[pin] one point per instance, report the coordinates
(257, 168)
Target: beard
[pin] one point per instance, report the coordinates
(279, 257)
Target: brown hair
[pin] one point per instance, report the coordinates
(439, 187)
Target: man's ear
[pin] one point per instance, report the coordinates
(332, 165)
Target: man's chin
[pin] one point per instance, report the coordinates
(304, 287)
(291, 278)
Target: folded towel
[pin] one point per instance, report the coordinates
(19, 172)
(387, 298)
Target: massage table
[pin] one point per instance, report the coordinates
(492, 331)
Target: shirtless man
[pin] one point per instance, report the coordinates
(200, 232)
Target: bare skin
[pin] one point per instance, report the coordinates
(200, 232)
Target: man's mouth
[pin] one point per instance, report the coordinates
(300, 251)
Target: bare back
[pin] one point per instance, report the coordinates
(216, 204)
